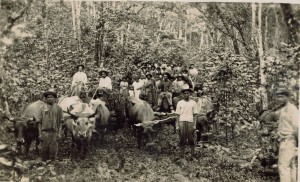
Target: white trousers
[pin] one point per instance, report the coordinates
(286, 160)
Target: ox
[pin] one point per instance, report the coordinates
(81, 120)
(141, 117)
(77, 122)
(102, 115)
(25, 127)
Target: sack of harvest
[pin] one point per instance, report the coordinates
(66, 102)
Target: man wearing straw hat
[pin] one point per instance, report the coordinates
(105, 85)
(79, 80)
(49, 126)
(186, 110)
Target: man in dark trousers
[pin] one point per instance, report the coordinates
(186, 122)
(49, 126)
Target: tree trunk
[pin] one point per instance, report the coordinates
(266, 31)
(236, 46)
(229, 30)
(99, 41)
(180, 31)
(201, 40)
(46, 32)
(78, 9)
(74, 18)
(291, 23)
(185, 32)
(253, 24)
(275, 40)
(262, 62)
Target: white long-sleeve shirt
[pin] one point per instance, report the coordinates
(137, 86)
(105, 83)
(193, 72)
(79, 77)
(288, 122)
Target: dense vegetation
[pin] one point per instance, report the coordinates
(243, 51)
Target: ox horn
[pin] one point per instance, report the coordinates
(12, 119)
(72, 115)
(166, 120)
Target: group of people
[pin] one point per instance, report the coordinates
(154, 81)
(80, 80)
(174, 79)
(150, 82)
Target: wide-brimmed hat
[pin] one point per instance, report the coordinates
(282, 91)
(103, 71)
(148, 74)
(80, 65)
(186, 87)
(181, 76)
(50, 92)
(185, 71)
(166, 73)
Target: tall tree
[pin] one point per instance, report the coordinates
(291, 23)
(261, 59)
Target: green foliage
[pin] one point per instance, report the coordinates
(282, 69)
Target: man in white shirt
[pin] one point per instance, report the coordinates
(137, 85)
(193, 72)
(105, 84)
(287, 133)
(79, 81)
(186, 110)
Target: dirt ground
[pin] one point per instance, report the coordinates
(119, 159)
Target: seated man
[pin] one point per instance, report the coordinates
(79, 80)
(165, 90)
(105, 84)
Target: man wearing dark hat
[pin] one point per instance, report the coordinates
(178, 83)
(186, 110)
(163, 70)
(287, 132)
(165, 89)
(79, 80)
(49, 126)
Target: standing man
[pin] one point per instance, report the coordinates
(288, 120)
(193, 72)
(49, 126)
(177, 68)
(186, 110)
(79, 80)
(149, 88)
(165, 88)
(137, 86)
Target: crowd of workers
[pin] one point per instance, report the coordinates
(147, 81)
(152, 81)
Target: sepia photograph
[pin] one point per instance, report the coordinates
(149, 91)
